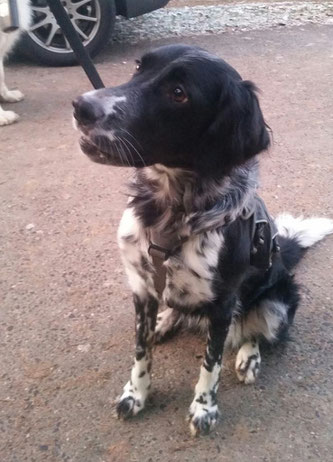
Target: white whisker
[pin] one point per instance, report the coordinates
(132, 136)
(123, 141)
(121, 152)
(133, 147)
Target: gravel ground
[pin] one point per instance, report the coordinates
(215, 19)
(181, 3)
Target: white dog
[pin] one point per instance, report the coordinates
(7, 40)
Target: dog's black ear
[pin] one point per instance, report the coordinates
(238, 131)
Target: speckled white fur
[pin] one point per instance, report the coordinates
(190, 275)
(248, 362)
(203, 412)
(137, 389)
(133, 244)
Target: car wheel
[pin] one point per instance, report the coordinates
(45, 41)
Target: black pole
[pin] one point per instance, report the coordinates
(14, 22)
(75, 42)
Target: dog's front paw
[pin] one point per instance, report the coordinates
(248, 363)
(166, 325)
(130, 403)
(7, 117)
(202, 417)
(127, 407)
(12, 96)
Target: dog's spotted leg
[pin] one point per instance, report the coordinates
(131, 239)
(136, 390)
(203, 412)
(248, 362)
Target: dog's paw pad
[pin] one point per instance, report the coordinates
(248, 363)
(8, 117)
(128, 407)
(203, 414)
(13, 96)
(130, 403)
(203, 420)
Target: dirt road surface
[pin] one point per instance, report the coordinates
(66, 313)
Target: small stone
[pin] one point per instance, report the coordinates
(30, 226)
(84, 348)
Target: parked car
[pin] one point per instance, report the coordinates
(92, 19)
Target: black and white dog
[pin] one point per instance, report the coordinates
(195, 237)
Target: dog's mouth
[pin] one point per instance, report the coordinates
(93, 151)
(102, 150)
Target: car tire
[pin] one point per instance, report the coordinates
(98, 29)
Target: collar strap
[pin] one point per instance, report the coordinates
(160, 253)
(157, 251)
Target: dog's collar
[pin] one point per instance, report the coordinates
(160, 249)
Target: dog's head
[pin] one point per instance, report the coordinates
(182, 108)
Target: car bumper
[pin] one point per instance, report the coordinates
(132, 8)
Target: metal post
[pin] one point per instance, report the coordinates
(75, 42)
(9, 19)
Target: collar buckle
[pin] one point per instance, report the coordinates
(157, 251)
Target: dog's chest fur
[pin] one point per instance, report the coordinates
(165, 200)
(174, 203)
(192, 271)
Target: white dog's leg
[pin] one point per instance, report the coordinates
(10, 96)
(7, 117)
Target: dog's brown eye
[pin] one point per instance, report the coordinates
(179, 95)
(138, 65)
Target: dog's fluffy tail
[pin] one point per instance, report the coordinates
(297, 234)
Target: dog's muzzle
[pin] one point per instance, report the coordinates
(98, 117)
(86, 111)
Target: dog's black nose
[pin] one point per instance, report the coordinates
(87, 111)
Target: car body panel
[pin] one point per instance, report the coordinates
(133, 8)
